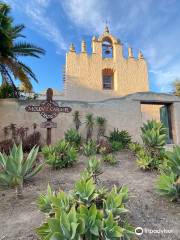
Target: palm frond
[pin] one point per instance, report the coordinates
(28, 70)
(27, 49)
(16, 31)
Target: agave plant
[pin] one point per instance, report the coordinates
(45, 200)
(64, 226)
(85, 191)
(89, 125)
(90, 148)
(174, 160)
(61, 155)
(94, 168)
(73, 137)
(110, 159)
(114, 203)
(135, 147)
(111, 230)
(76, 120)
(154, 135)
(101, 124)
(16, 169)
(92, 218)
(144, 160)
(87, 213)
(169, 186)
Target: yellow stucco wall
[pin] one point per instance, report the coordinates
(150, 112)
(83, 72)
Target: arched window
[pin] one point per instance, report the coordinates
(108, 79)
(107, 48)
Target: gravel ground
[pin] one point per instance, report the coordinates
(19, 218)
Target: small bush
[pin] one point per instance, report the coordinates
(6, 91)
(144, 160)
(135, 147)
(73, 137)
(169, 186)
(104, 146)
(110, 159)
(61, 155)
(117, 146)
(90, 148)
(147, 162)
(154, 136)
(120, 136)
(168, 183)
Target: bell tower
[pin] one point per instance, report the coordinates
(105, 73)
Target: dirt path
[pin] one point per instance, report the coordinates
(18, 219)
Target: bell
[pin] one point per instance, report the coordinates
(107, 51)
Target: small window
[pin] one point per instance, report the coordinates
(107, 82)
(108, 79)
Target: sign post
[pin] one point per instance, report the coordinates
(48, 109)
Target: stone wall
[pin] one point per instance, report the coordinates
(122, 113)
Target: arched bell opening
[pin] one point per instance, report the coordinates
(107, 48)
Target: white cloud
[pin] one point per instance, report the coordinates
(148, 25)
(88, 14)
(37, 11)
(144, 24)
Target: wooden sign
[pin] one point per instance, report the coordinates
(48, 124)
(48, 109)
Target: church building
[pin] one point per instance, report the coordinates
(105, 73)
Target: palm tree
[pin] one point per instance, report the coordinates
(76, 120)
(89, 125)
(11, 50)
(101, 123)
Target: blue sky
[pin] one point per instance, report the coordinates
(150, 25)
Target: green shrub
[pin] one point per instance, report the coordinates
(45, 200)
(90, 148)
(6, 91)
(144, 160)
(169, 186)
(94, 166)
(87, 213)
(168, 183)
(61, 155)
(109, 158)
(120, 136)
(135, 147)
(73, 137)
(147, 162)
(16, 169)
(174, 160)
(154, 136)
(117, 146)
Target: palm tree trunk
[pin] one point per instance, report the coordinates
(3, 75)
